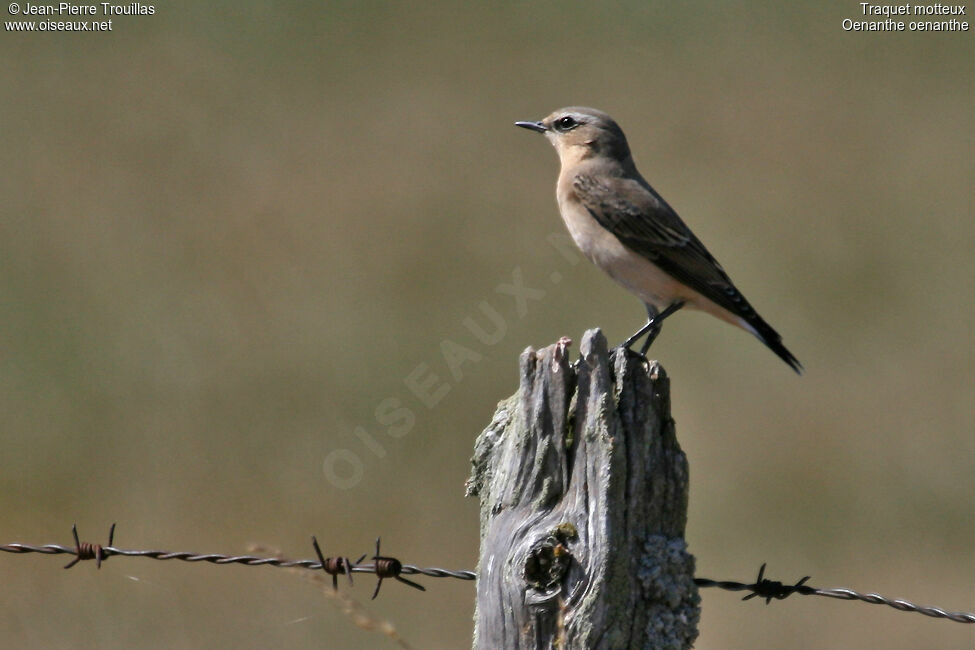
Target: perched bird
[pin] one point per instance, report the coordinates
(626, 228)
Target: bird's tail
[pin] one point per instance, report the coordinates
(764, 333)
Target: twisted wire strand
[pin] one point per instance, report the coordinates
(898, 604)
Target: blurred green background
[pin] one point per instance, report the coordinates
(231, 230)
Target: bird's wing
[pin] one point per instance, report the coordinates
(647, 225)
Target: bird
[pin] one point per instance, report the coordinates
(629, 231)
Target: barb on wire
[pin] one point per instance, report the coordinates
(89, 551)
(389, 567)
(333, 566)
(761, 588)
(769, 589)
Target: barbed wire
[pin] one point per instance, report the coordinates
(381, 566)
(772, 589)
(390, 567)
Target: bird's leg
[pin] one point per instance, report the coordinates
(651, 315)
(651, 336)
(658, 322)
(653, 326)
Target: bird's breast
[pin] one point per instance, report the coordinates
(592, 239)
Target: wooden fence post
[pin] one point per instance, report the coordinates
(583, 493)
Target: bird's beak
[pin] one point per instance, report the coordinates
(533, 126)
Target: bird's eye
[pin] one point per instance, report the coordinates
(565, 123)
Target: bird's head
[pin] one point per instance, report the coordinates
(578, 133)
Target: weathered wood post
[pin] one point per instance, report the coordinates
(583, 492)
